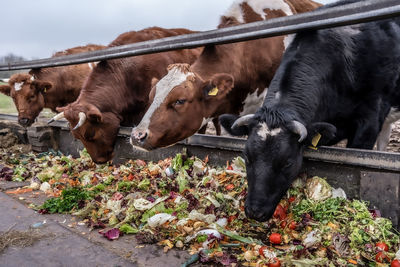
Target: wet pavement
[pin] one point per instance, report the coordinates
(66, 241)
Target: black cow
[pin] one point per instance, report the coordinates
(338, 82)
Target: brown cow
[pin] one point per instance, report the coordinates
(229, 78)
(116, 92)
(47, 87)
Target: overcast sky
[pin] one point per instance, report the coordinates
(38, 28)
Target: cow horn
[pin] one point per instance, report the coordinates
(242, 121)
(300, 129)
(82, 119)
(57, 117)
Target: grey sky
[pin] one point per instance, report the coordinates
(37, 29)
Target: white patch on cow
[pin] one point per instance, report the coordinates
(351, 30)
(253, 102)
(288, 40)
(235, 11)
(18, 86)
(205, 122)
(174, 77)
(263, 131)
(258, 7)
(383, 138)
(90, 66)
(32, 78)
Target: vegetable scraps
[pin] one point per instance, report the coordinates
(185, 203)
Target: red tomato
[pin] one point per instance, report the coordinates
(381, 257)
(292, 199)
(279, 212)
(275, 238)
(229, 167)
(229, 187)
(293, 225)
(275, 263)
(130, 177)
(395, 263)
(231, 218)
(283, 224)
(381, 246)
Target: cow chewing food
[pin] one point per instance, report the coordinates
(47, 87)
(340, 83)
(116, 92)
(229, 78)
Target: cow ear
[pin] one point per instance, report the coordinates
(320, 134)
(5, 89)
(219, 86)
(229, 122)
(41, 86)
(94, 114)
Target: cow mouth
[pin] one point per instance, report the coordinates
(258, 215)
(105, 159)
(25, 122)
(141, 146)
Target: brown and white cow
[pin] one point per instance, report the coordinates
(47, 87)
(229, 78)
(117, 92)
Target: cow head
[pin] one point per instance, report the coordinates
(97, 130)
(180, 103)
(27, 94)
(273, 155)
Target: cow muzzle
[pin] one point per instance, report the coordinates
(139, 138)
(258, 213)
(25, 122)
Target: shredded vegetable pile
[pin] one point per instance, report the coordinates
(185, 203)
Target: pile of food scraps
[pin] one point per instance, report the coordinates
(185, 203)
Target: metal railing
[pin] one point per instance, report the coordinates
(349, 14)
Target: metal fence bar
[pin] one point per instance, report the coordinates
(355, 13)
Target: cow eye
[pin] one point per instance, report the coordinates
(180, 101)
(288, 164)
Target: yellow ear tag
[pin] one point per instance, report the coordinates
(213, 92)
(314, 141)
(45, 89)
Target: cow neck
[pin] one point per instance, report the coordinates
(249, 76)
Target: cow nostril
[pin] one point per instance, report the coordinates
(255, 213)
(142, 136)
(23, 121)
(139, 135)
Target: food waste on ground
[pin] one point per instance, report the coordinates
(185, 203)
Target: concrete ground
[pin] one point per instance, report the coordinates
(65, 241)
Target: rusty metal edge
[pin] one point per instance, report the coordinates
(355, 157)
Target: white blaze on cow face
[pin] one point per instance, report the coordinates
(258, 7)
(253, 102)
(174, 78)
(18, 86)
(263, 131)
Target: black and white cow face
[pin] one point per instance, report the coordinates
(273, 158)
